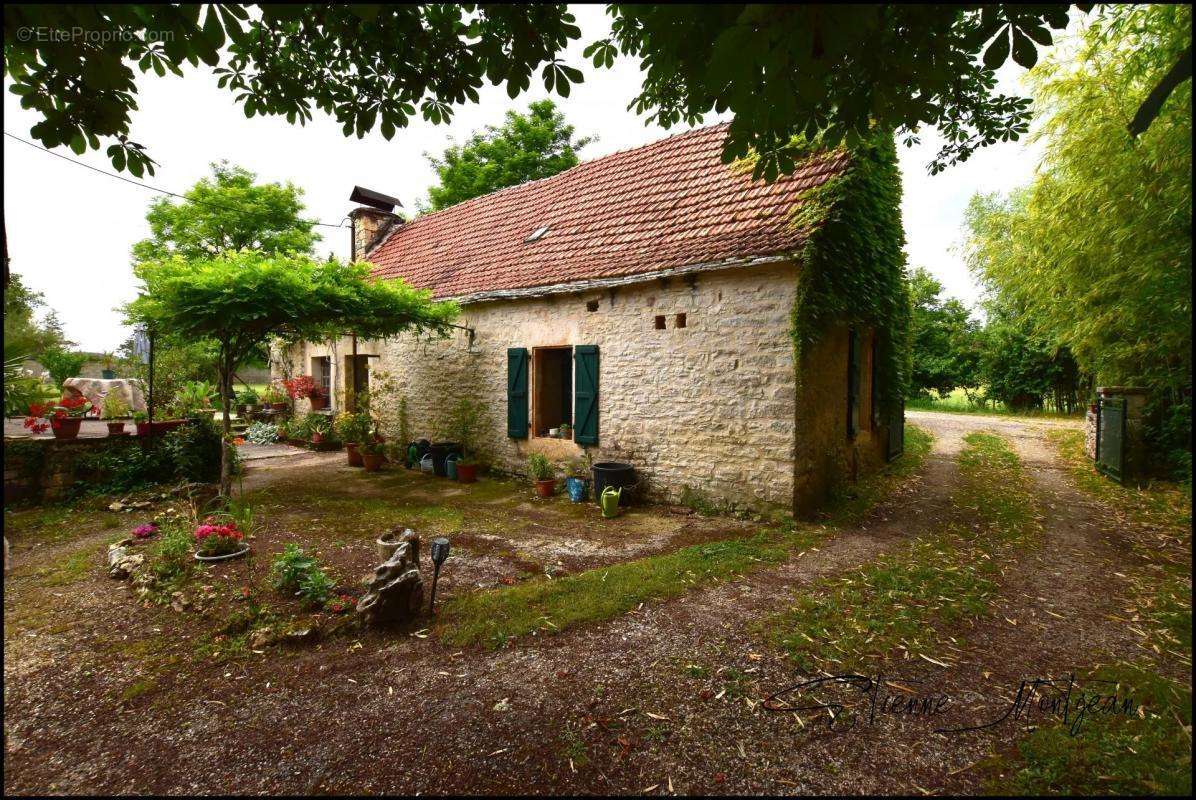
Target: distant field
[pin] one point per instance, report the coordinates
(957, 403)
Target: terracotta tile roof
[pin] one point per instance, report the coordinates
(667, 205)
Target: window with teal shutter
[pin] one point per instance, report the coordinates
(517, 392)
(585, 394)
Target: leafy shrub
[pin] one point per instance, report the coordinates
(247, 397)
(190, 453)
(539, 467)
(114, 406)
(171, 557)
(194, 451)
(262, 433)
(62, 364)
(316, 588)
(290, 567)
(295, 572)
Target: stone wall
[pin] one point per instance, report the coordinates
(824, 454)
(45, 470)
(711, 405)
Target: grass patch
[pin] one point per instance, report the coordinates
(957, 403)
(496, 616)
(1158, 503)
(550, 605)
(905, 599)
(137, 689)
(72, 569)
(850, 503)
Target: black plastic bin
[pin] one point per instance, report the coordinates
(614, 473)
(440, 453)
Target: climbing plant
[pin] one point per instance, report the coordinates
(853, 263)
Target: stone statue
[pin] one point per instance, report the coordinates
(396, 594)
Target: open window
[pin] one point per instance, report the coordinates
(564, 390)
(552, 396)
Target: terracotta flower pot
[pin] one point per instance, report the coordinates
(65, 427)
(354, 454)
(116, 428)
(544, 488)
(279, 406)
(317, 438)
(371, 461)
(318, 402)
(467, 473)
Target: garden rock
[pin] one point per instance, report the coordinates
(262, 637)
(122, 562)
(179, 602)
(396, 593)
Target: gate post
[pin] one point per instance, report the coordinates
(1136, 459)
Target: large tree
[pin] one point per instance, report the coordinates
(228, 211)
(30, 327)
(526, 147)
(241, 299)
(780, 70)
(1098, 249)
(942, 339)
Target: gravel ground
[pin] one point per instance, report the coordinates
(665, 699)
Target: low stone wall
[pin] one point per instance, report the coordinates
(45, 470)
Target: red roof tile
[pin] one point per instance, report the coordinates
(666, 205)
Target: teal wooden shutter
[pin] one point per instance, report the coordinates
(585, 394)
(517, 392)
(853, 383)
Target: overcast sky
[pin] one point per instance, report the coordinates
(70, 229)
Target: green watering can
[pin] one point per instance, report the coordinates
(610, 501)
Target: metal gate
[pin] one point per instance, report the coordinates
(896, 445)
(1110, 436)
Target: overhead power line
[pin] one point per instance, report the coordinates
(143, 184)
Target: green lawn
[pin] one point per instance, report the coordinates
(957, 403)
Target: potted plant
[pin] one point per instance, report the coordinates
(320, 427)
(465, 420)
(566, 430)
(64, 418)
(578, 481)
(194, 399)
(219, 542)
(274, 397)
(303, 387)
(114, 407)
(107, 373)
(353, 429)
(247, 401)
(542, 474)
(141, 421)
(372, 455)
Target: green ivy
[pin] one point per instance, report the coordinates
(853, 263)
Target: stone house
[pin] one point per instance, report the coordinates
(646, 298)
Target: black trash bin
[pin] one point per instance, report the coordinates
(440, 452)
(614, 473)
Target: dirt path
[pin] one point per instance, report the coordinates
(665, 699)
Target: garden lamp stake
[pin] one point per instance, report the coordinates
(440, 551)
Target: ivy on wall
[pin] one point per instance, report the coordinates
(853, 263)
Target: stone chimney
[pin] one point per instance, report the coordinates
(369, 226)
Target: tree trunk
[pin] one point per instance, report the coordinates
(226, 478)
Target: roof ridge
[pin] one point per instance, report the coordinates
(579, 165)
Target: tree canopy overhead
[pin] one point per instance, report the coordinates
(528, 146)
(228, 211)
(780, 70)
(240, 299)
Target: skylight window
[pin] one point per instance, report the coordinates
(537, 234)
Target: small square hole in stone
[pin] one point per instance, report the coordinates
(679, 321)
(660, 322)
(592, 305)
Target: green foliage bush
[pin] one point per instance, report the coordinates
(62, 364)
(295, 572)
(172, 556)
(539, 467)
(190, 452)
